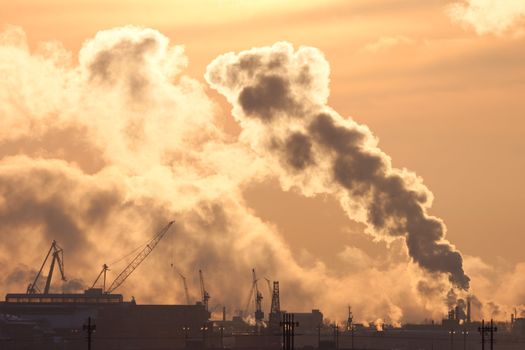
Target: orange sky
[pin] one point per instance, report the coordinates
(445, 101)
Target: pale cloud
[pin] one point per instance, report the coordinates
(489, 16)
(387, 42)
(355, 257)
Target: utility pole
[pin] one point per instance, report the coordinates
(288, 325)
(335, 327)
(89, 328)
(492, 330)
(486, 329)
(482, 331)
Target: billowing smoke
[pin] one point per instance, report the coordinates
(279, 97)
(100, 154)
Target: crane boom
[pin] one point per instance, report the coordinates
(103, 272)
(185, 288)
(57, 255)
(143, 254)
(257, 299)
(248, 301)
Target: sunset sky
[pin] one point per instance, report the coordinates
(440, 83)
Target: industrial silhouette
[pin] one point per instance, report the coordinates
(40, 319)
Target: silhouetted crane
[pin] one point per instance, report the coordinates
(257, 299)
(204, 293)
(57, 254)
(143, 254)
(185, 288)
(103, 272)
(259, 314)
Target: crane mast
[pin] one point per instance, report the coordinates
(274, 318)
(259, 314)
(57, 255)
(204, 293)
(143, 254)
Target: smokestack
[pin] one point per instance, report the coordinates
(224, 313)
(468, 310)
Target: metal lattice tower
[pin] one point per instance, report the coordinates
(276, 304)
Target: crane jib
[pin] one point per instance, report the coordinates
(141, 256)
(56, 252)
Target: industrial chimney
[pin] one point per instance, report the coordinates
(468, 310)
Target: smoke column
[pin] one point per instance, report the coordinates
(279, 97)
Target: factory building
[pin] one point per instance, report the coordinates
(53, 320)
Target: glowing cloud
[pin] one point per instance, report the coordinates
(488, 16)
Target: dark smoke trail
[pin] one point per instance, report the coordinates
(279, 97)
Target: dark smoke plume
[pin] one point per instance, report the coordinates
(279, 96)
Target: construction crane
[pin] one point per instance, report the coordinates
(143, 254)
(185, 288)
(259, 314)
(57, 254)
(103, 272)
(257, 299)
(204, 293)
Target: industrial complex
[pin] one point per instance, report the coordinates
(99, 318)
